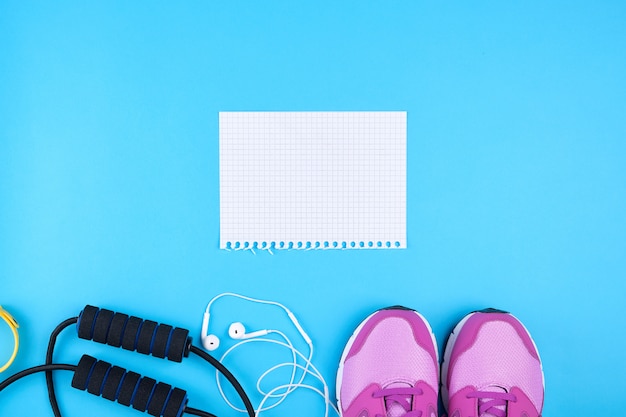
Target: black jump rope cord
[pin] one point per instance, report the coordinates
(143, 336)
(41, 368)
(49, 382)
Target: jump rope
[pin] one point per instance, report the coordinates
(128, 388)
(159, 399)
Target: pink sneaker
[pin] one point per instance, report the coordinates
(491, 368)
(389, 367)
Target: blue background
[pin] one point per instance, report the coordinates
(516, 178)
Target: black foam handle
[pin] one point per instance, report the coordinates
(132, 333)
(129, 388)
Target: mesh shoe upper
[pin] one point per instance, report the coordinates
(389, 367)
(492, 368)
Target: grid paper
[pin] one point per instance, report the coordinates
(312, 180)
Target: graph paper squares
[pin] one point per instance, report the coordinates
(312, 180)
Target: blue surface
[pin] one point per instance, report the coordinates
(516, 178)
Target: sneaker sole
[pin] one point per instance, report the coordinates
(353, 338)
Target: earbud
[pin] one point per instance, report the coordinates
(209, 341)
(237, 331)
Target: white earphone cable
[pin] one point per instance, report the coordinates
(282, 397)
(290, 387)
(285, 389)
(324, 394)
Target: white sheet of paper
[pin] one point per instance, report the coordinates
(320, 180)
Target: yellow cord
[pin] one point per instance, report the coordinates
(13, 325)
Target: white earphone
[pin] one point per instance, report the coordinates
(237, 331)
(209, 341)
